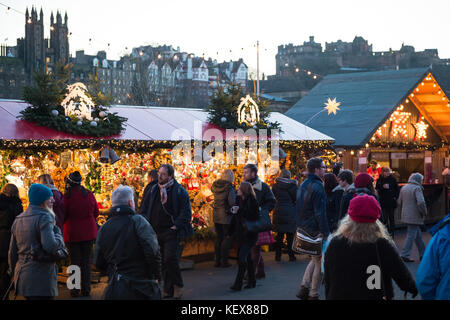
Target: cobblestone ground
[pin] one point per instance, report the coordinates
(205, 282)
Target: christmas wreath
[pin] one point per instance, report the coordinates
(74, 109)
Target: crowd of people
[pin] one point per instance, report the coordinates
(139, 249)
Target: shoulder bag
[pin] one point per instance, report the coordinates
(305, 243)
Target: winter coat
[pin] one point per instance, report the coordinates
(182, 212)
(411, 203)
(148, 187)
(224, 199)
(284, 213)
(58, 206)
(388, 197)
(248, 210)
(10, 208)
(139, 257)
(80, 214)
(433, 275)
(314, 217)
(32, 278)
(334, 200)
(346, 266)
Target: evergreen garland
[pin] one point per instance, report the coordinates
(223, 110)
(47, 95)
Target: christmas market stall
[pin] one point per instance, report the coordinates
(148, 140)
(397, 118)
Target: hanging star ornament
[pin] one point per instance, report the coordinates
(332, 106)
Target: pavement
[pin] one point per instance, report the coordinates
(205, 282)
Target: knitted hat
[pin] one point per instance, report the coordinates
(38, 193)
(363, 180)
(364, 209)
(75, 177)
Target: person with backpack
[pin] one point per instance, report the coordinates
(127, 250)
(224, 200)
(433, 275)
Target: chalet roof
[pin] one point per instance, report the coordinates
(367, 100)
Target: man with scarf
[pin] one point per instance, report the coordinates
(168, 209)
(266, 201)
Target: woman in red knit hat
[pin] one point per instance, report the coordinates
(361, 259)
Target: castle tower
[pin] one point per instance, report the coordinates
(59, 41)
(34, 47)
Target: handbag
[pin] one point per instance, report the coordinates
(262, 224)
(40, 255)
(265, 238)
(305, 243)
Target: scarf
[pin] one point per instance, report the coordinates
(256, 183)
(163, 190)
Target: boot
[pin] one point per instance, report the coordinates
(177, 292)
(237, 286)
(251, 283)
(292, 256)
(277, 252)
(303, 293)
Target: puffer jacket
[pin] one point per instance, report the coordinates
(411, 203)
(285, 192)
(140, 258)
(433, 275)
(10, 208)
(224, 199)
(314, 217)
(32, 278)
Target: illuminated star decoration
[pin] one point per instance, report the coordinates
(332, 106)
(421, 129)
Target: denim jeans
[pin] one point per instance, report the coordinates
(414, 234)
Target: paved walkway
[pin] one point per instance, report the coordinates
(282, 281)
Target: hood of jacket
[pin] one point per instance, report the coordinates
(441, 225)
(416, 183)
(220, 186)
(285, 183)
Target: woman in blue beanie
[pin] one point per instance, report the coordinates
(35, 227)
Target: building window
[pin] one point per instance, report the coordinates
(12, 83)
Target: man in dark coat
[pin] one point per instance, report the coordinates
(312, 217)
(127, 249)
(266, 201)
(388, 192)
(285, 192)
(168, 209)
